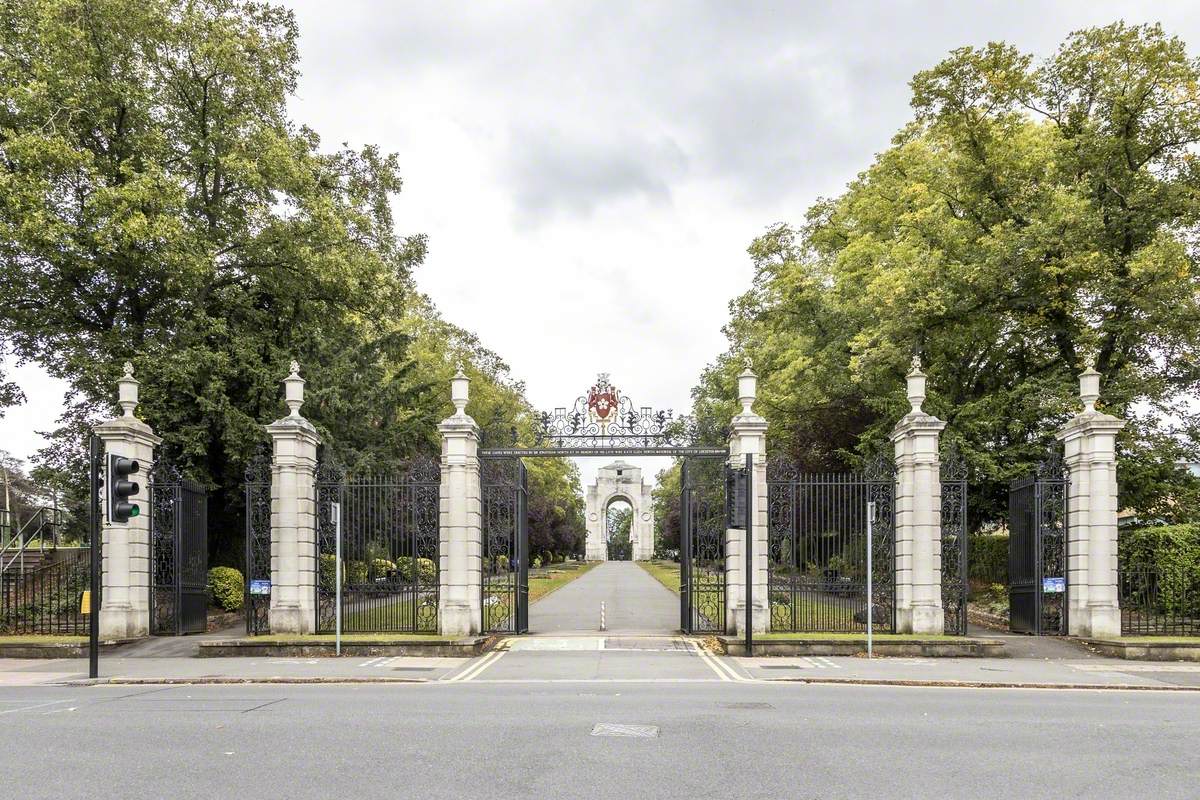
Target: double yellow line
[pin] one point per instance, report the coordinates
(723, 670)
(475, 670)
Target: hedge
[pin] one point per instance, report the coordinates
(1167, 557)
(987, 558)
(226, 587)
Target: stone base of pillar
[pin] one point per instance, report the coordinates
(293, 620)
(123, 622)
(762, 619)
(923, 620)
(457, 620)
(1096, 622)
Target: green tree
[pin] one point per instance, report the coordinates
(1034, 216)
(618, 531)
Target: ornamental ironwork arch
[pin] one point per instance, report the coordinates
(606, 421)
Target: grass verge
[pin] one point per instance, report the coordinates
(350, 638)
(37, 638)
(665, 572)
(879, 637)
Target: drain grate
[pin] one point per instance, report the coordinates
(746, 706)
(619, 729)
(413, 669)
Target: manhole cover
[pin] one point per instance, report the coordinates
(619, 729)
(746, 706)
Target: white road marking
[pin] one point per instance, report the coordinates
(30, 708)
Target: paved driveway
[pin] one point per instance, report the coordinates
(633, 602)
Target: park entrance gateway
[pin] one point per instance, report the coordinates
(604, 422)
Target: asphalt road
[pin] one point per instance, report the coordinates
(513, 740)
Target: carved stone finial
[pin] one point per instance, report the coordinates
(293, 390)
(1089, 387)
(916, 386)
(127, 391)
(747, 389)
(460, 391)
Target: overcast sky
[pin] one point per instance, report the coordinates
(590, 174)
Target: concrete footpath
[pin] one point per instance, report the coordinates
(619, 658)
(641, 646)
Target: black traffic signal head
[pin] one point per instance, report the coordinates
(121, 489)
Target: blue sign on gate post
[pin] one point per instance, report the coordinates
(1054, 585)
(260, 587)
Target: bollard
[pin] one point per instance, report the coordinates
(603, 626)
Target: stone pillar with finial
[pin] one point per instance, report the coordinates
(294, 443)
(460, 605)
(1089, 453)
(125, 597)
(748, 436)
(918, 514)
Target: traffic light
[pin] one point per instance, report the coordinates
(121, 489)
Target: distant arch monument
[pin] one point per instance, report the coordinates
(619, 481)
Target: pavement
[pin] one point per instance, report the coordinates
(640, 646)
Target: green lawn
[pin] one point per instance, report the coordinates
(665, 572)
(37, 638)
(862, 637)
(350, 638)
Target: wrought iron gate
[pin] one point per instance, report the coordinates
(178, 553)
(1037, 551)
(505, 579)
(258, 543)
(390, 543)
(817, 545)
(954, 542)
(702, 545)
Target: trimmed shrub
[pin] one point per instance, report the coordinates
(226, 588)
(382, 568)
(425, 572)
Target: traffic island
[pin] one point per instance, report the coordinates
(1146, 648)
(853, 644)
(324, 645)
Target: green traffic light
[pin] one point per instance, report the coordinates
(135, 510)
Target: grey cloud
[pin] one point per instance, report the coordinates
(551, 171)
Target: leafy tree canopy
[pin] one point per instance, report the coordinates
(1035, 216)
(158, 205)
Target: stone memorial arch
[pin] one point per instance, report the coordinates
(618, 481)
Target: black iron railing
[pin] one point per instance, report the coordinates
(1160, 601)
(47, 599)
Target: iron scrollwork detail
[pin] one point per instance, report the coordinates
(605, 417)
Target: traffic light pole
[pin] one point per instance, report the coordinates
(749, 582)
(95, 456)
